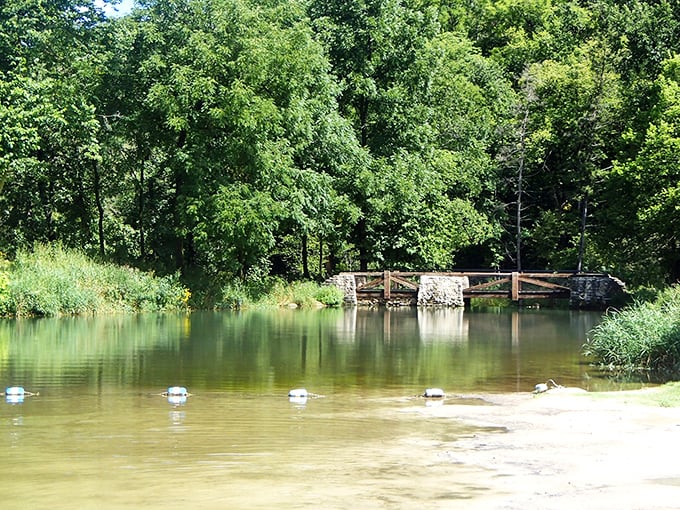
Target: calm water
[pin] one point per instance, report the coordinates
(100, 435)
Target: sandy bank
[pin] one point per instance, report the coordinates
(566, 449)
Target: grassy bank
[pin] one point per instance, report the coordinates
(274, 292)
(645, 335)
(52, 281)
(666, 395)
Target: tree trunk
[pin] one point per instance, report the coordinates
(305, 257)
(100, 209)
(582, 241)
(520, 188)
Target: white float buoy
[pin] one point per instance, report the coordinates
(16, 394)
(434, 393)
(298, 393)
(548, 385)
(15, 391)
(540, 388)
(177, 391)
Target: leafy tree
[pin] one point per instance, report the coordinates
(517, 33)
(240, 97)
(644, 193)
(571, 123)
(423, 104)
(50, 142)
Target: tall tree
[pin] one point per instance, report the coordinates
(644, 194)
(571, 125)
(49, 144)
(237, 100)
(423, 106)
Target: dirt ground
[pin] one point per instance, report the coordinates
(567, 449)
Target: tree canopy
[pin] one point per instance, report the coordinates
(234, 138)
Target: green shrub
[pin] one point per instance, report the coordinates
(51, 281)
(330, 295)
(644, 294)
(5, 296)
(644, 335)
(234, 296)
(272, 292)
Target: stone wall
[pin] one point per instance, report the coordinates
(442, 290)
(591, 292)
(347, 284)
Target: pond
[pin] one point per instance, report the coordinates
(100, 434)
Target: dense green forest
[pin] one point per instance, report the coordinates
(224, 139)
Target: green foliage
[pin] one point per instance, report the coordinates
(329, 295)
(223, 137)
(312, 295)
(644, 192)
(5, 274)
(274, 292)
(646, 335)
(52, 281)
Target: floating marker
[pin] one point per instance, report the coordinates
(540, 388)
(15, 391)
(177, 391)
(434, 393)
(548, 385)
(176, 395)
(16, 394)
(298, 393)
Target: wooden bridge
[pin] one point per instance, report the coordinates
(392, 286)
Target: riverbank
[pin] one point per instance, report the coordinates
(567, 449)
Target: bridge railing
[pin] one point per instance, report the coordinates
(513, 285)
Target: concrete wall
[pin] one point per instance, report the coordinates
(442, 290)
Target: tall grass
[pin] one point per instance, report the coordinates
(52, 281)
(645, 335)
(275, 292)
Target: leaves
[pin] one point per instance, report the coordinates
(224, 135)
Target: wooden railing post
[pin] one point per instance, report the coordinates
(387, 285)
(515, 286)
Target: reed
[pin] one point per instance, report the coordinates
(645, 335)
(275, 292)
(52, 281)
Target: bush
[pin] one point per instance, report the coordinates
(276, 292)
(5, 296)
(53, 281)
(235, 296)
(330, 295)
(645, 335)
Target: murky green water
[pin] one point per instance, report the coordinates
(100, 435)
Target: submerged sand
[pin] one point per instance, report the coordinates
(566, 449)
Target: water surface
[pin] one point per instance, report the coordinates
(100, 435)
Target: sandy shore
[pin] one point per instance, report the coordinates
(566, 449)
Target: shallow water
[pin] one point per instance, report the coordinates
(101, 435)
